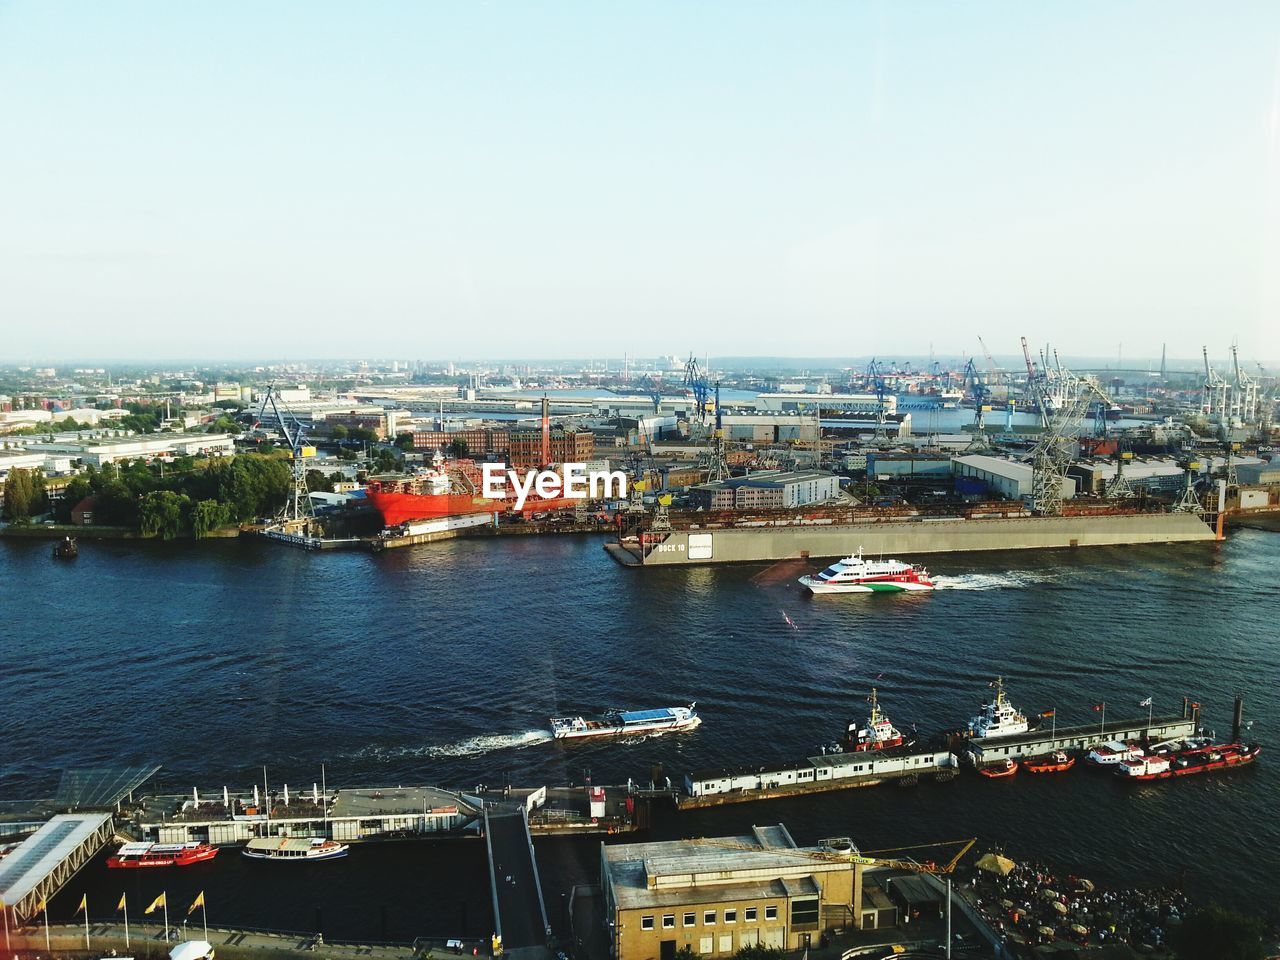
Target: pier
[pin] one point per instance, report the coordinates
(47, 859)
(519, 910)
(1036, 743)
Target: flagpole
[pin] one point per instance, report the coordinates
(44, 905)
(85, 901)
(204, 916)
(166, 916)
(1149, 708)
(1103, 733)
(124, 898)
(5, 911)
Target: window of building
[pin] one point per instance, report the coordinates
(668, 921)
(804, 911)
(771, 913)
(690, 919)
(709, 917)
(749, 914)
(726, 943)
(705, 945)
(646, 923)
(731, 916)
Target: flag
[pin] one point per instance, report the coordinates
(197, 902)
(158, 902)
(43, 906)
(120, 905)
(1049, 712)
(84, 904)
(1145, 703)
(1099, 706)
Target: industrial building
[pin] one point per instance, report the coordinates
(479, 441)
(828, 402)
(718, 895)
(1011, 479)
(568, 445)
(766, 489)
(903, 466)
(99, 452)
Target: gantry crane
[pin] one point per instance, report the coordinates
(1060, 418)
(875, 375)
(981, 393)
(298, 506)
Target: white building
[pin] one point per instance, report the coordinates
(1011, 479)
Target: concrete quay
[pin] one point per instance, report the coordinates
(902, 538)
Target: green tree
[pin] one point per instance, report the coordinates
(758, 951)
(338, 431)
(458, 449)
(207, 516)
(347, 454)
(19, 495)
(363, 434)
(228, 404)
(387, 462)
(223, 424)
(1216, 933)
(687, 952)
(163, 512)
(318, 482)
(404, 441)
(117, 504)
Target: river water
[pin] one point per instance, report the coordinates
(440, 664)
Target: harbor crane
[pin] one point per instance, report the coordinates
(696, 380)
(1063, 403)
(875, 374)
(298, 506)
(981, 394)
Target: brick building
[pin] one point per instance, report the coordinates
(567, 446)
(489, 442)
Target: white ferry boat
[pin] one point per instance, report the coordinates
(626, 723)
(857, 575)
(296, 849)
(999, 718)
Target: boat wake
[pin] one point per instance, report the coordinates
(990, 581)
(470, 747)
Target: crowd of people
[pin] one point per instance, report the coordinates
(1032, 905)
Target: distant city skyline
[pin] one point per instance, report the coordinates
(548, 181)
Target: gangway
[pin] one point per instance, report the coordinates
(519, 910)
(39, 866)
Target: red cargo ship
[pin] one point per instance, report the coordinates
(1200, 759)
(433, 493)
(137, 855)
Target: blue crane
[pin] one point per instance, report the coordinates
(696, 380)
(981, 394)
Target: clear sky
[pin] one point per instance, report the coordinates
(439, 180)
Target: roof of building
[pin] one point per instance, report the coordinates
(768, 478)
(1000, 466)
(35, 858)
(670, 873)
(90, 787)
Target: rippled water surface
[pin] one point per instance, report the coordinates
(441, 664)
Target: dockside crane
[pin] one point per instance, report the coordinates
(696, 380)
(875, 375)
(1061, 414)
(298, 506)
(981, 395)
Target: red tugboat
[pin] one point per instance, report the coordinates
(139, 855)
(1056, 762)
(997, 770)
(878, 734)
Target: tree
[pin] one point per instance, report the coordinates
(228, 404)
(758, 951)
(338, 431)
(116, 504)
(163, 512)
(687, 952)
(77, 489)
(387, 462)
(207, 516)
(318, 482)
(347, 454)
(404, 441)
(1216, 933)
(363, 434)
(19, 495)
(458, 449)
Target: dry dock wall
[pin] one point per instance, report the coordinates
(912, 537)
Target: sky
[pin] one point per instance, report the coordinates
(438, 180)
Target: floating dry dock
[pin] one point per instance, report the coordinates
(802, 539)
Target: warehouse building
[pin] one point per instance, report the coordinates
(568, 445)
(719, 895)
(1155, 474)
(97, 453)
(1010, 479)
(765, 490)
(904, 466)
(1264, 473)
(828, 402)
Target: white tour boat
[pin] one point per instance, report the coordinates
(296, 849)
(858, 575)
(626, 723)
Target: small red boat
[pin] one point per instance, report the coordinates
(996, 770)
(138, 855)
(1199, 759)
(1056, 762)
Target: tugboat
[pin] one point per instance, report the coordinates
(1056, 762)
(995, 771)
(878, 734)
(66, 549)
(999, 718)
(856, 575)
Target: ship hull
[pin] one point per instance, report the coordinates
(873, 586)
(619, 730)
